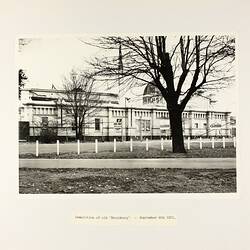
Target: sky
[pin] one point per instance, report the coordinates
(47, 60)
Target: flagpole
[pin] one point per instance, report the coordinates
(120, 66)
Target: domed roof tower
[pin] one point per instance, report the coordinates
(152, 96)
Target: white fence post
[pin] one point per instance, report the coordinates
(212, 142)
(188, 142)
(200, 143)
(78, 147)
(234, 139)
(114, 145)
(37, 148)
(57, 147)
(96, 145)
(146, 144)
(223, 142)
(131, 144)
(161, 144)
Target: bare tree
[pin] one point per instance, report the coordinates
(80, 100)
(22, 78)
(179, 67)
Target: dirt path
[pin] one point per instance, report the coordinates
(203, 163)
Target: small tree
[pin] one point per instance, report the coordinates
(80, 100)
(48, 130)
(179, 67)
(21, 81)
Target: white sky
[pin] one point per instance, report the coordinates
(47, 60)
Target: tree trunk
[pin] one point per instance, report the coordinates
(176, 131)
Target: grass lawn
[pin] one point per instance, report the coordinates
(127, 180)
(138, 153)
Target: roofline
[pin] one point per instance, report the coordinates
(112, 106)
(165, 110)
(61, 91)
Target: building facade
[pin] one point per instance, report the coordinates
(40, 108)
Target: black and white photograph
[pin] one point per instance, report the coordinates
(124, 125)
(125, 113)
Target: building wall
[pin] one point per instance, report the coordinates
(116, 121)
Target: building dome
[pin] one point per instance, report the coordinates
(152, 96)
(150, 89)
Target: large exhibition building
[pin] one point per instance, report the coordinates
(148, 118)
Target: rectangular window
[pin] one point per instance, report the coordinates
(44, 121)
(142, 125)
(148, 125)
(196, 125)
(97, 124)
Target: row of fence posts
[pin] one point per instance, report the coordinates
(131, 145)
(213, 141)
